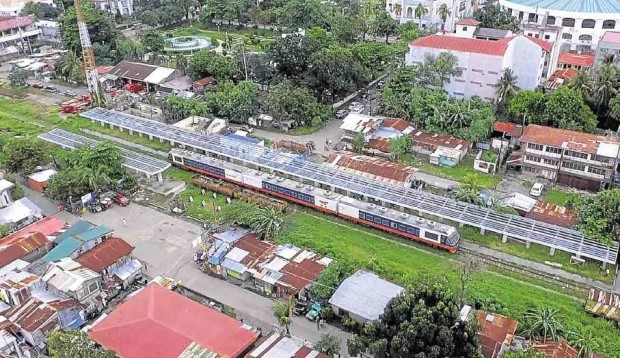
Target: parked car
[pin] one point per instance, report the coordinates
(341, 113)
(359, 108)
(353, 105)
(120, 199)
(51, 89)
(37, 85)
(69, 93)
(537, 189)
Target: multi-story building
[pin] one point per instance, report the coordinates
(14, 7)
(581, 160)
(608, 46)
(404, 11)
(123, 7)
(17, 34)
(583, 22)
(482, 61)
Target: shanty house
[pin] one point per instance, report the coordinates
(17, 284)
(5, 192)
(69, 278)
(496, 333)
(20, 213)
(80, 237)
(142, 74)
(112, 259)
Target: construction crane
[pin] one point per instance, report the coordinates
(88, 56)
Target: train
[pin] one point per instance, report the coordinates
(370, 214)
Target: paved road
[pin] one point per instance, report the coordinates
(163, 242)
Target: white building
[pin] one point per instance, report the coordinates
(123, 7)
(17, 34)
(404, 11)
(482, 61)
(5, 192)
(582, 22)
(14, 7)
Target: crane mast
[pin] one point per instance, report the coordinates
(88, 56)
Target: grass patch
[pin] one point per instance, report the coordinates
(305, 130)
(536, 253)
(456, 173)
(558, 196)
(258, 38)
(398, 261)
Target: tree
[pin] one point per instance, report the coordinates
(582, 82)
(400, 146)
(267, 223)
(24, 155)
(175, 108)
(96, 179)
(614, 108)
(444, 13)
(292, 55)
(528, 353)
(328, 344)
(370, 10)
(438, 69)
(469, 266)
(302, 14)
(282, 312)
(42, 11)
(542, 323)
(18, 78)
(75, 344)
(605, 86)
(421, 322)
(493, 16)
(100, 28)
(358, 143)
(528, 107)
(129, 49)
(289, 102)
(385, 25)
(181, 63)
(469, 191)
(235, 102)
(506, 88)
(4, 230)
(420, 11)
(153, 41)
(334, 71)
(585, 341)
(149, 17)
(566, 109)
(330, 278)
(599, 216)
(204, 63)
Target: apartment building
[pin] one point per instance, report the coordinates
(123, 7)
(482, 61)
(404, 11)
(608, 46)
(17, 34)
(580, 160)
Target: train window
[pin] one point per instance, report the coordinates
(402, 227)
(444, 238)
(385, 222)
(294, 195)
(394, 225)
(430, 235)
(287, 192)
(377, 220)
(362, 215)
(177, 159)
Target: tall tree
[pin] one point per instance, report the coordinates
(302, 14)
(153, 41)
(286, 101)
(400, 146)
(205, 63)
(469, 191)
(542, 323)
(437, 69)
(75, 344)
(292, 55)
(528, 107)
(599, 216)
(282, 312)
(605, 86)
(236, 102)
(583, 83)
(506, 88)
(444, 13)
(566, 109)
(334, 71)
(493, 16)
(267, 223)
(420, 11)
(384, 25)
(129, 49)
(23, 155)
(421, 322)
(100, 28)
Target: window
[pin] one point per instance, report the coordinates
(530, 34)
(574, 154)
(493, 73)
(602, 159)
(567, 36)
(575, 166)
(550, 161)
(568, 22)
(531, 169)
(609, 24)
(464, 28)
(535, 146)
(459, 94)
(553, 150)
(532, 18)
(462, 69)
(409, 12)
(457, 80)
(547, 37)
(585, 38)
(532, 158)
(520, 15)
(476, 70)
(475, 83)
(595, 170)
(551, 20)
(430, 235)
(536, 36)
(588, 24)
(93, 287)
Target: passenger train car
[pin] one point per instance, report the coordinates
(386, 219)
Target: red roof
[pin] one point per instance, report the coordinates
(300, 275)
(104, 70)
(556, 350)
(396, 123)
(157, 322)
(434, 141)
(511, 129)
(611, 36)
(8, 23)
(553, 214)
(468, 21)
(576, 59)
(453, 43)
(21, 247)
(104, 255)
(545, 45)
(566, 74)
(47, 226)
(564, 138)
(495, 330)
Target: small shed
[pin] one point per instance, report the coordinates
(38, 181)
(363, 296)
(445, 157)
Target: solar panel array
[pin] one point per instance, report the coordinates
(511, 225)
(132, 160)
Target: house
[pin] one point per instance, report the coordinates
(6, 187)
(507, 130)
(38, 181)
(29, 248)
(202, 84)
(17, 284)
(20, 213)
(496, 333)
(157, 322)
(355, 123)
(576, 60)
(554, 349)
(363, 296)
(176, 85)
(609, 46)
(482, 62)
(66, 277)
(279, 346)
(17, 35)
(112, 259)
(443, 149)
(49, 226)
(121, 7)
(375, 168)
(80, 237)
(560, 77)
(35, 319)
(553, 214)
(141, 75)
(581, 160)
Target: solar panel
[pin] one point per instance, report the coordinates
(514, 226)
(132, 160)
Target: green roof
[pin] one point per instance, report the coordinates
(69, 243)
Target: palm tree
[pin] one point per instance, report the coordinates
(181, 63)
(583, 83)
(586, 342)
(328, 344)
(469, 191)
(605, 86)
(444, 13)
(456, 113)
(96, 179)
(282, 312)
(398, 9)
(71, 68)
(420, 11)
(542, 323)
(609, 59)
(267, 223)
(506, 87)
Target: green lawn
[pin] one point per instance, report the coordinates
(456, 173)
(402, 263)
(258, 38)
(558, 196)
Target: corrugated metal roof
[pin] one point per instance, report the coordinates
(94, 233)
(106, 254)
(18, 211)
(70, 244)
(159, 75)
(79, 227)
(67, 275)
(365, 294)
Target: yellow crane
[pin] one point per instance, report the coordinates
(88, 56)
